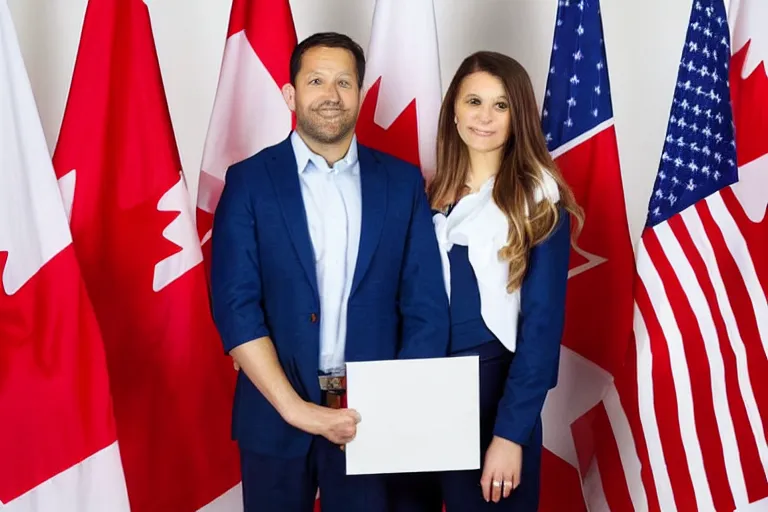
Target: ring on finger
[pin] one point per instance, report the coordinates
(496, 483)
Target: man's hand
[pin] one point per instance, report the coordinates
(502, 468)
(259, 361)
(339, 426)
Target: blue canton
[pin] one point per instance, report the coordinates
(578, 96)
(699, 156)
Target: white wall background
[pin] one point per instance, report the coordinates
(644, 41)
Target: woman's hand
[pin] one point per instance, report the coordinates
(502, 467)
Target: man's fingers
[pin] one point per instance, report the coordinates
(354, 414)
(349, 432)
(345, 432)
(341, 437)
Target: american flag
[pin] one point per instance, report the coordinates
(578, 96)
(689, 429)
(578, 123)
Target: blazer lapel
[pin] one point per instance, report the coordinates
(373, 185)
(285, 178)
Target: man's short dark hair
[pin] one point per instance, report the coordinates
(328, 40)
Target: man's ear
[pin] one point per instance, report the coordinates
(289, 95)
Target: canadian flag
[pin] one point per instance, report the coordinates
(58, 446)
(402, 92)
(249, 112)
(134, 235)
(749, 98)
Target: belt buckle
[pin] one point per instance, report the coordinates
(333, 388)
(333, 382)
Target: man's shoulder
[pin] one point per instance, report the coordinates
(396, 168)
(254, 165)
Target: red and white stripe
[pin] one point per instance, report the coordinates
(693, 408)
(693, 405)
(689, 416)
(710, 445)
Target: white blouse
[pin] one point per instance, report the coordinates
(477, 223)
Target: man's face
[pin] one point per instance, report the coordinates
(326, 97)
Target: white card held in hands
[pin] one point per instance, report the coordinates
(417, 415)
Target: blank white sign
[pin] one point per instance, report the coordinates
(417, 415)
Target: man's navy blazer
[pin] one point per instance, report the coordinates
(263, 281)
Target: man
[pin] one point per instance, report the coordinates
(323, 252)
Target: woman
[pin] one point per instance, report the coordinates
(502, 217)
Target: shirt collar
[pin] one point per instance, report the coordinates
(304, 156)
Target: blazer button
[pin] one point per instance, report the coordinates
(313, 318)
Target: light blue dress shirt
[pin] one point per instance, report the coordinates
(332, 200)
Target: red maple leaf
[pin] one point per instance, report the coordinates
(53, 381)
(401, 139)
(750, 108)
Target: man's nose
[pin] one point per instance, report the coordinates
(333, 92)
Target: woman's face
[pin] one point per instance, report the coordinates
(483, 115)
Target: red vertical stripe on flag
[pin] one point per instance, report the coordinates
(747, 447)
(664, 394)
(741, 304)
(757, 363)
(699, 374)
(627, 389)
(754, 473)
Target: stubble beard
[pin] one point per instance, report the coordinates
(315, 127)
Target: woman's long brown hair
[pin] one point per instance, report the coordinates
(524, 162)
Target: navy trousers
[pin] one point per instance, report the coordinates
(461, 489)
(274, 484)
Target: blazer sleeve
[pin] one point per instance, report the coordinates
(236, 298)
(534, 368)
(422, 300)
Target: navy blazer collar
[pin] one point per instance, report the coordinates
(373, 184)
